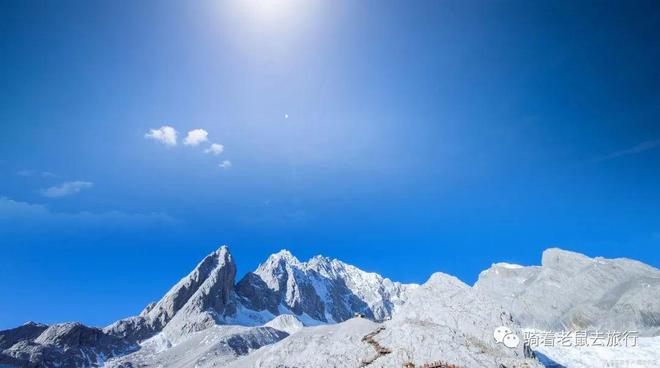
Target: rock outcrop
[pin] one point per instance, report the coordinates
(571, 291)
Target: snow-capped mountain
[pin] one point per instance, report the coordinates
(300, 314)
(320, 290)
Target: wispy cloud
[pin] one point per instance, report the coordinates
(43, 174)
(165, 135)
(215, 149)
(637, 149)
(225, 164)
(195, 137)
(25, 172)
(16, 214)
(65, 189)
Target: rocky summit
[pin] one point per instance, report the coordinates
(289, 313)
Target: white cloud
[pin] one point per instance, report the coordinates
(66, 188)
(195, 137)
(225, 164)
(165, 135)
(215, 149)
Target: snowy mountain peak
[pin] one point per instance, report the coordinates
(286, 255)
(280, 259)
(321, 289)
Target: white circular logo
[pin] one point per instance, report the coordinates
(511, 340)
(504, 335)
(500, 332)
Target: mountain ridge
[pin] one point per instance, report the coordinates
(322, 290)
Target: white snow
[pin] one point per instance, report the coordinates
(645, 355)
(286, 322)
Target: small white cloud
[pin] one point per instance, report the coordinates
(195, 137)
(215, 149)
(165, 135)
(66, 188)
(225, 164)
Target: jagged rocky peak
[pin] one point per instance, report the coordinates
(323, 289)
(215, 273)
(200, 300)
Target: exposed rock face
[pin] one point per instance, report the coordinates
(28, 331)
(201, 299)
(208, 287)
(322, 289)
(572, 291)
(66, 345)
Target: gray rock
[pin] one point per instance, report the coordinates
(323, 289)
(28, 331)
(67, 345)
(571, 291)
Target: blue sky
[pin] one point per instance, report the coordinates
(420, 137)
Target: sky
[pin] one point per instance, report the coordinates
(402, 137)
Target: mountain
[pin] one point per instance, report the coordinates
(571, 291)
(320, 290)
(301, 314)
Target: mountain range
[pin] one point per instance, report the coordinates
(289, 313)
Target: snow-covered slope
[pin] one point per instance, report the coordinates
(286, 322)
(572, 291)
(444, 320)
(214, 346)
(645, 355)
